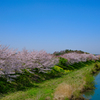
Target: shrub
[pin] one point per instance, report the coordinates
(70, 67)
(6, 86)
(21, 82)
(62, 63)
(56, 71)
(24, 80)
(78, 65)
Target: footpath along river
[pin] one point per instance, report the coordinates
(94, 94)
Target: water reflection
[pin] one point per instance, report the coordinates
(94, 94)
(88, 94)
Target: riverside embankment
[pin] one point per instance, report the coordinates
(80, 81)
(71, 86)
(95, 93)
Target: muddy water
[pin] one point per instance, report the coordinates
(94, 94)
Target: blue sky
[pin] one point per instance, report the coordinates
(51, 25)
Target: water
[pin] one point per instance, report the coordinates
(94, 94)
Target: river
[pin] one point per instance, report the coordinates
(94, 94)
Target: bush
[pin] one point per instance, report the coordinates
(96, 68)
(62, 63)
(21, 82)
(78, 65)
(70, 67)
(24, 80)
(6, 86)
(56, 71)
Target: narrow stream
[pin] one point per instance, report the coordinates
(94, 94)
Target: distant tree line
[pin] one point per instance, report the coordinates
(57, 53)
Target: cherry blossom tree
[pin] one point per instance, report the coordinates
(76, 57)
(12, 62)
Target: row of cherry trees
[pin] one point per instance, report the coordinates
(12, 61)
(76, 57)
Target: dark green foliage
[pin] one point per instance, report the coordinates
(78, 65)
(70, 67)
(99, 59)
(21, 82)
(68, 51)
(28, 79)
(56, 71)
(53, 74)
(96, 68)
(24, 80)
(62, 63)
(89, 62)
(5, 86)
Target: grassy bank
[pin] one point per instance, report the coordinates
(67, 86)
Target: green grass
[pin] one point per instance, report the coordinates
(46, 90)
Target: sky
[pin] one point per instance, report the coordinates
(50, 25)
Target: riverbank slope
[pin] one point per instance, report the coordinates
(67, 86)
